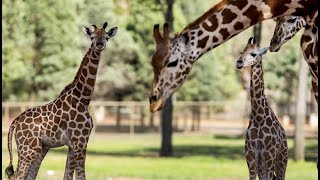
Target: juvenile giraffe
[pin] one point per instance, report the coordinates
(286, 28)
(174, 57)
(266, 142)
(64, 121)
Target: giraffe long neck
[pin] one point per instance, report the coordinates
(230, 17)
(83, 84)
(258, 100)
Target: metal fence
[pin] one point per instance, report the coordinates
(134, 116)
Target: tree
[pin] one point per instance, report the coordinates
(166, 114)
(301, 111)
(17, 38)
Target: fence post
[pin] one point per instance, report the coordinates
(132, 127)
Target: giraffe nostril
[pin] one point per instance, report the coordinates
(152, 98)
(274, 41)
(239, 64)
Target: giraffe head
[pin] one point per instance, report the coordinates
(286, 28)
(99, 37)
(170, 66)
(251, 54)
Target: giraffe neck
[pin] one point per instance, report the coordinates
(83, 84)
(258, 100)
(229, 18)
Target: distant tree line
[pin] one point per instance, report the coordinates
(43, 46)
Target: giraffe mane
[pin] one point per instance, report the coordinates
(73, 83)
(206, 15)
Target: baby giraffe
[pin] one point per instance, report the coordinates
(64, 121)
(266, 142)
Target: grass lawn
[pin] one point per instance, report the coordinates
(119, 156)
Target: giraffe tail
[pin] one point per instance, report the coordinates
(9, 170)
(274, 177)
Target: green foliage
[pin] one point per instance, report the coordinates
(43, 46)
(281, 70)
(16, 51)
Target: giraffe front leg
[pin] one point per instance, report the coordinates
(80, 157)
(70, 165)
(269, 161)
(281, 162)
(34, 168)
(252, 165)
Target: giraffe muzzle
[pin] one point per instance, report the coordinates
(100, 45)
(156, 104)
(239, 64)
(274, 45)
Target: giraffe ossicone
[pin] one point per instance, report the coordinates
(266, 148)
(64, 121)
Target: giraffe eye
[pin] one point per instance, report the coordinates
(173, 63)
(291, 20)
(253, 54)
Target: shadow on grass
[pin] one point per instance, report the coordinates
(235, 137)
(217, 151)
(229, 152)
(311, 152)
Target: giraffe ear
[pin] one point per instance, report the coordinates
(105, 25)
(112, 31)
(264, 50)
(87, 31)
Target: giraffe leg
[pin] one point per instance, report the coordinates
(252, 165)
(70, 165)
(24, 164)
(269, 167)
(281, 162)
(34, 168)
(262, 170)
(80, 157)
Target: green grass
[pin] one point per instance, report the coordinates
(196, 157)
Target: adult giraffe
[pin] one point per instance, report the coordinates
(174, 57)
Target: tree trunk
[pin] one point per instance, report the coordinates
(300, 112)
(151, 120)
(257, 33)
(166, 116)
(166, 126)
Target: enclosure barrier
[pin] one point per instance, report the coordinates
(204, 116)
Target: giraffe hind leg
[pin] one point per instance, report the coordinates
(24, 165)
(35, 166)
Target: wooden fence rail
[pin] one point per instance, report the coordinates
(132, 116)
